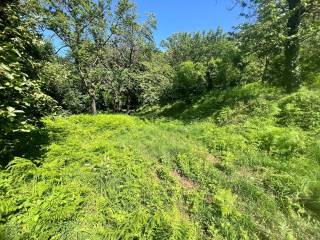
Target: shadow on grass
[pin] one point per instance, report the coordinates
(30, 145)
(312, 202)
(211, 103)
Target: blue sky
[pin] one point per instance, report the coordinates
(189, 15)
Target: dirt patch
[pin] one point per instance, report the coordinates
(183, 180)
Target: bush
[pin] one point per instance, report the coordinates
(282, 142)
(222, 73)
(60, 83)
(155, 81)
(189, 79)
(22, 101)
(300, 109)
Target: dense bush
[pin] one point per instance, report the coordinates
(189, 80)
(156, 81)
(59, 82)
(221, 74)
(283, 142)
(22, 101)
(301, 109)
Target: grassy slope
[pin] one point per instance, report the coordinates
(242, 164)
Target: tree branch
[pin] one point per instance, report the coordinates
(60, 49)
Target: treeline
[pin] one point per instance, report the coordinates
(111, 62)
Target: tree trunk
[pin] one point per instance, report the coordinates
(209, 81)
(291, 52)
(93, 105)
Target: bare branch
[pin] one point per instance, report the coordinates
(64, 46)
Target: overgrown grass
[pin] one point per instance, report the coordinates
(239, 164)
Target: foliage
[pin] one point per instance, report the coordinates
(301, 109)
(196, 47)
(59, 82)
(117, 176)
(189, 79)
(106, 44)
(114, 62)
(226, 200)
(22, 101)
(156, 80)
(222, 74)
(217, 51)
(281, 36)
(216, 151)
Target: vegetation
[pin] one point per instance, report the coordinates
(233, 174)
(22, 101)
(216, 136)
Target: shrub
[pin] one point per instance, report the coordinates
(300, 109)
(282, 142)
(226, 201)
(189, 79)
(222, 73)
(60, 83)
(22, 101)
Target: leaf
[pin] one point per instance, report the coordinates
(17, 52)
(10, 109)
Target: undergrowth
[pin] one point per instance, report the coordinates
(238, 164)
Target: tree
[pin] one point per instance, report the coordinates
(22, 101)
(103, 40)
(196, 47)
(60, 83)
(277, 35)
(86, 28)
(131, 47)
(310, 42)
(292, 45)
(156, 79)
(189, 80)
(218, 52)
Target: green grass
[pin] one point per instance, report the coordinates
(229, 165)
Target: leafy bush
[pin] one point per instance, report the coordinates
(226, 201)
(59, 82)
(156, 81)
(189, 79)
(301, 109)
(282, 141)
(251, 68)
(22, 101)
(222, 73)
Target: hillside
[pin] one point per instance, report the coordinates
(131, 120)
(236, 164)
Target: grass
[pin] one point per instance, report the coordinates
(226, 166)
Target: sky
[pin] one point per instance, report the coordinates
(189, 15)
(184, 16)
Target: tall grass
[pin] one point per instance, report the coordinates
(219, 168)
